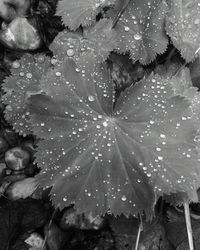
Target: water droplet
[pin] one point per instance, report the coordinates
(91, 98)
(137, 37)
(53, 61)
(123, 198)
(40, 58)
(89, 194)
(105, 124)
(15, 65)
(162, 136)
(70, 52)
(126, 28)
(29, 75)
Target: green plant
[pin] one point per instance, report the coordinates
(101, 153)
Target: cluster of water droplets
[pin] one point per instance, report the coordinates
(18, 87)
(136, 26)
(183, 26)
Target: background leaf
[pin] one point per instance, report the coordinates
(183, 26)
(141, 30)
(80, 12)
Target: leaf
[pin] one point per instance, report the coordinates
(183, 27)
(80, 12)
(182, 85)
(97, 42)
(141, 30)
(113, 160)
(23, 82)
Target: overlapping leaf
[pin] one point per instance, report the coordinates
(113, 160)
(141, 30)
(24, 81)
(81, 12)
(182, 85)
(97, 42)
(183, 27)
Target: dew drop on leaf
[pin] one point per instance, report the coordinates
(126, 28)
(29, 75)
(137, 37)
(105, 124)
(70, 52)
(54, 61)
(91, 98)
(15, 65)
(123, 198)
(40, 58)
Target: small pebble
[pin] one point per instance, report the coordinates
(20, 34)
(17, 158)
(21, 189)
(36, 241)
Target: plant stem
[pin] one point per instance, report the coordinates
(188, 225)
(140, 229)
(49, 225)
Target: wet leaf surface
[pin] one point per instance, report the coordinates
(137, 141)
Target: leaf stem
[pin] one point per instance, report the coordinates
(49, 225)
(140, 229)
(188, 225)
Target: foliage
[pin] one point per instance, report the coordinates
(101, 153)
(183, 26)
(24, 81)
(140, 30)
(78, 12)
(95, 43)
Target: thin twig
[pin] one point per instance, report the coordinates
(188, 225)
(140, 229)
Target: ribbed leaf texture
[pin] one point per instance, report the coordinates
(183, 27)
(81, 12)
(141, 30)
(96, 42)
(24, 81)
(117, 160)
